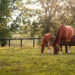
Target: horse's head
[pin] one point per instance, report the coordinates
(56, 48)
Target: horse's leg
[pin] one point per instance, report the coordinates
(42, 48)
(60, 49)
(69, 51)
(48, 44)
(70, 46)
(66, 47)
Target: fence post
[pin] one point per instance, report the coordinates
(21, 42)
(9, 42)
(33, 42)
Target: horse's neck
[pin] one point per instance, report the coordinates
(57, 41)
(59, 35)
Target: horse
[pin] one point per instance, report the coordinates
(46, 41)
(65, 33)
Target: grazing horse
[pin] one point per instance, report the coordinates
(65, 33)
(46, 41)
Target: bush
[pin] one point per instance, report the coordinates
(3, 43)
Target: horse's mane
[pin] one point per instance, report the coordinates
(59, 32)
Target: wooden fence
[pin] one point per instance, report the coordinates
(33, 43)
(21, 40)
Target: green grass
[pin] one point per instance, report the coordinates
(29, 61)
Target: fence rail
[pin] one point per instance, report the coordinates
(33, 41)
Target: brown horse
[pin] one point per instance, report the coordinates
(46, 41)
(65, 33)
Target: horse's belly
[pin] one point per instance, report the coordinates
(63, 38)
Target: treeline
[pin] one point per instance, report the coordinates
(38, 17)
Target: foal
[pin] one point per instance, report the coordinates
(46, 41)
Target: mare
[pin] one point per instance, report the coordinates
(65, 33)
(46, 41)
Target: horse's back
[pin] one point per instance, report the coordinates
(68, 32)
(70, 29)
(47, 37)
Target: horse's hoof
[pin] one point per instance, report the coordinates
(69, 52)
(60, 53)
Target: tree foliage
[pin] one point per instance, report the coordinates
(4, 15)
(48, 18)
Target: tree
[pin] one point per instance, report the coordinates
(55, 13)
(72, 3)
(4, 15)
(24, 18)
(50, 16)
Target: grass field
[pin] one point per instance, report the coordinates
(29, 61)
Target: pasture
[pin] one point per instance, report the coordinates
(29, 61)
